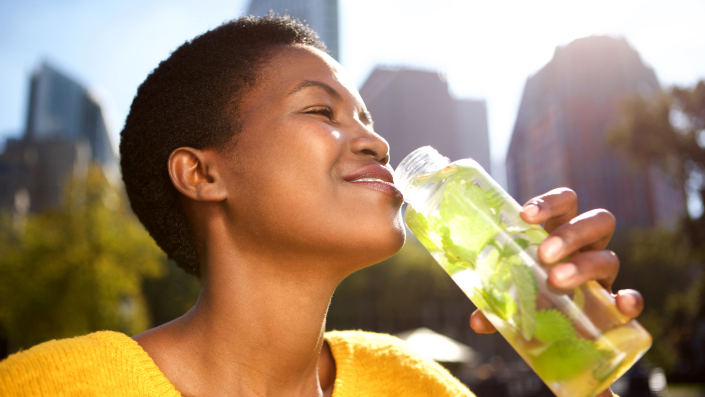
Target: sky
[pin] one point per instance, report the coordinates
(486, 49)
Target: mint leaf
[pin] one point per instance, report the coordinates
(419, 225)
(553, 326)
(495, 200)
(527, 288)
(500, 303)
(464, 198)
(471, 233)
(515, 246)
(466, 213)
(566, 355)
(493, 271)
(536, 235)
(566, 359)
(458, 257)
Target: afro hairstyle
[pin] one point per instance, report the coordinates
(191, 100)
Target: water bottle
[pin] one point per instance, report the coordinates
(576, 341)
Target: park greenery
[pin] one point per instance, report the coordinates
(668, 265)
(77, 268)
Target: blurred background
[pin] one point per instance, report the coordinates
(607, 98)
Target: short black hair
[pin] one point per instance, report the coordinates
(191, 99)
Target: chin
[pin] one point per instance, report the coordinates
(383, 245)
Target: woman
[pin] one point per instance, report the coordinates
(252, 161)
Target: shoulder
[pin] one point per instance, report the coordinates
(379, 364)
(99, 362)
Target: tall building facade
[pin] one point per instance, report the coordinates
(65, 131)
(320, 15)
(413, 108)
(560, 136)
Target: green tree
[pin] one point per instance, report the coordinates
(658, 263)
(667, 266)
(77, 268)
(669, 130)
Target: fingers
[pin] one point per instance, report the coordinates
(601, 266)
(554, 208)
(629, 302)
(589, 231)
(480, 324)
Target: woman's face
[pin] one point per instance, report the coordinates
(308, 175)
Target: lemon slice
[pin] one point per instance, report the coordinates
(620, 338)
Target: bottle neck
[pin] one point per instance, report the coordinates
(422, 161)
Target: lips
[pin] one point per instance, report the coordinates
(374, 176)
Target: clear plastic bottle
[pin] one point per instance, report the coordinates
(575, 340)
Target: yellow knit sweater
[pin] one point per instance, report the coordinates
(112, 364)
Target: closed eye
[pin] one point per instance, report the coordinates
(324, 111)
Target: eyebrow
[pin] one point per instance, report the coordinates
(314, 83)
(364, 115)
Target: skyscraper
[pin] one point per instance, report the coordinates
(413, 108)
(320, 15)
(560, 136)
(65, 131)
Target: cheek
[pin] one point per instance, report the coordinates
(287, 178)
(293, 196)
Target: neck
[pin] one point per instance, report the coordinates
(257, 328)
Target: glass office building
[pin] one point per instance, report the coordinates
(320, 15)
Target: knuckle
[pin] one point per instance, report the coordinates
(566, 233)
(600, 215)
(563, 193)
(566, 192)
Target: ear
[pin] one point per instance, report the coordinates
(193, 174)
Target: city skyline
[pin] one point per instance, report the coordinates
(413, 108)
(561, 133)
(65, 131)
(320, 15)
(486, 50)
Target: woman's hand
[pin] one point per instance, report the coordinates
(584, 239)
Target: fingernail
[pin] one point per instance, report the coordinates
(531, 209)
(626, 298)
(552, 248)
(564, 272)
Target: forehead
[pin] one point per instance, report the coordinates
(290, 65)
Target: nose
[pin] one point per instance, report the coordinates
(369, 143)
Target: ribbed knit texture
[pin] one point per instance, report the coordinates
(373, 365)
(103, 363)
(112, 364)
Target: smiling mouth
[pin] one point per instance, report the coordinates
(379, 185)
(369, 180)
(376, 177)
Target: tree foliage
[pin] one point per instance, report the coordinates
(659, 264)
(667, 266)
(77, 268)
(669, 130)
